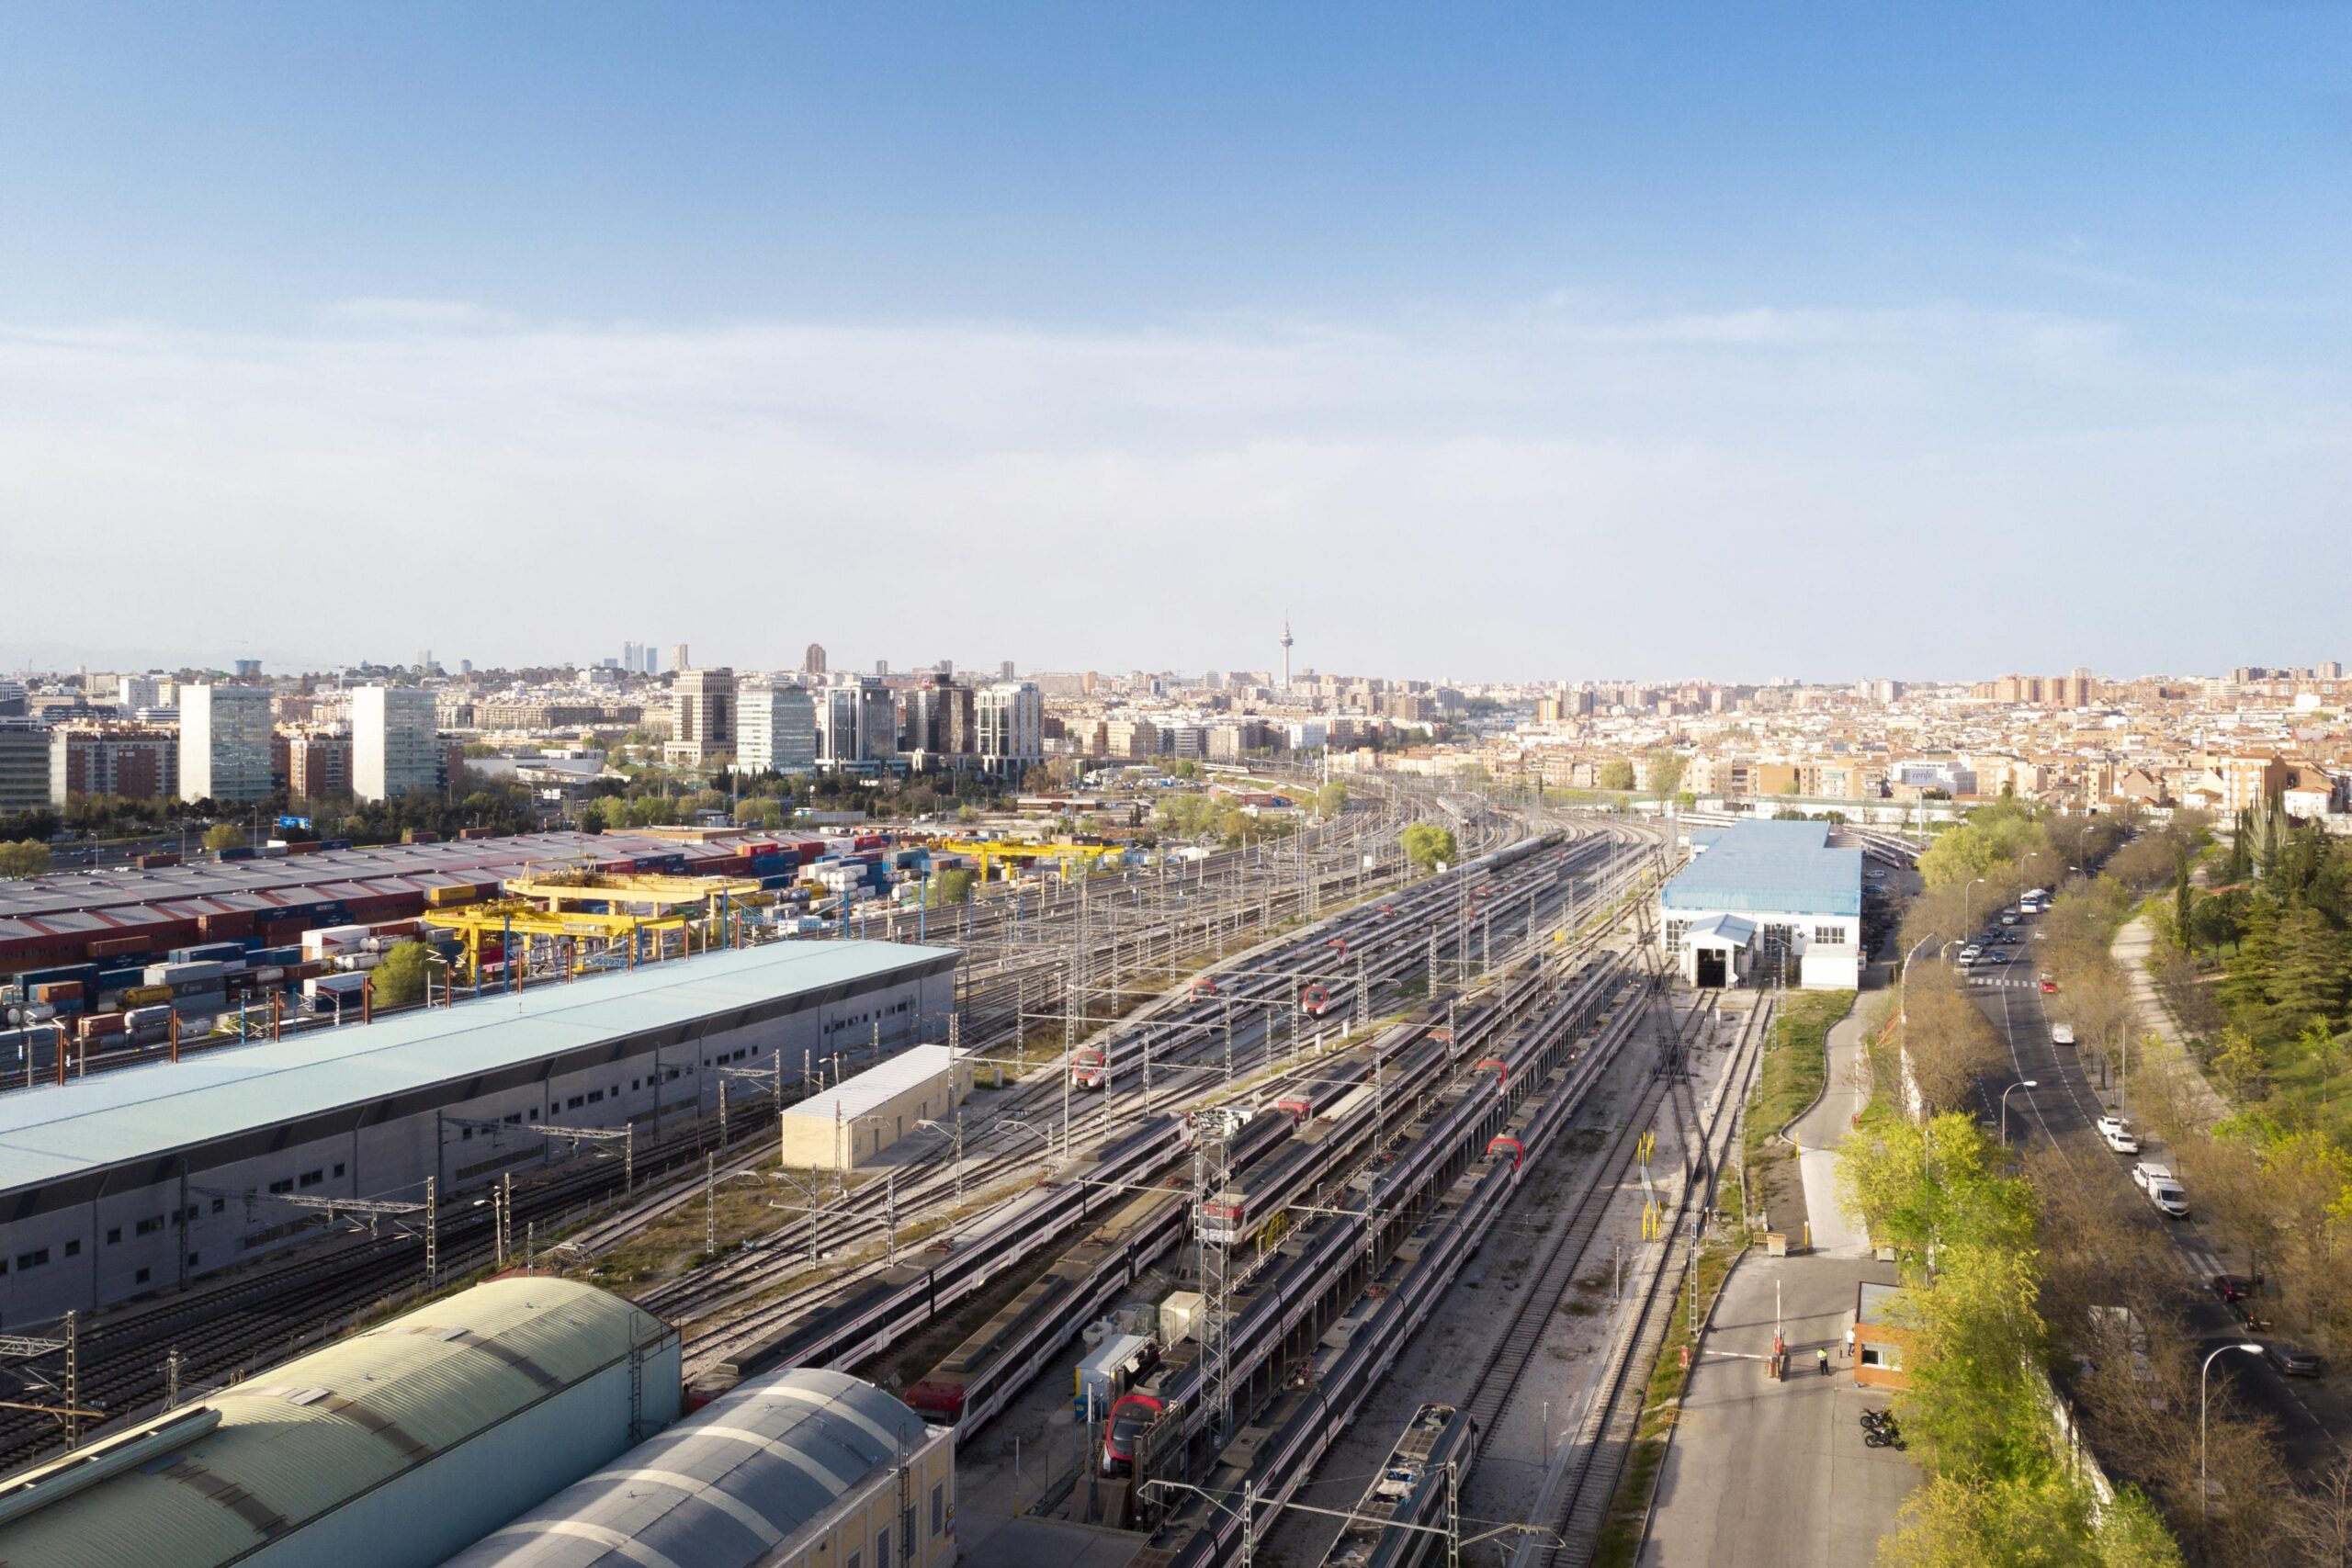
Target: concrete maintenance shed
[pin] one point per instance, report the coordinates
(1758, 895)
(390, 1449)
(858, 1118)
(144, 1177)
(803, 1469)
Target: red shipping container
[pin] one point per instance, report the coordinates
(115, 946)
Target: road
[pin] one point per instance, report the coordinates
(1775, 1474)
(2311, 1416)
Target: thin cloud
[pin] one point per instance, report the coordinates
(1556, 490)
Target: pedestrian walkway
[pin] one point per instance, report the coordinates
(1766, 1474)
(1817, 1132)
(2167, 1054)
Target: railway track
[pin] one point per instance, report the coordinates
(1506, 1365)
(233, 1325)
(1575, 1504)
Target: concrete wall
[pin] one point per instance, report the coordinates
(166, 1224)
(847, 1534)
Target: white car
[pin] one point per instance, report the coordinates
(2156, 1181)
(2061, 1034)
(2119, 1135)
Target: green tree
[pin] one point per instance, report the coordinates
(27, 857)
(2033, 1521)
(1664, 767)
(400, 978)
(950, 887)
(1425, 844)
(1616, 773)
(758, 812)
(224, 836)
(1331, 800)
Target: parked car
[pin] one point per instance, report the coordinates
(2230, 1287)
(2120, 1137)
(2061, 1034)
(2048, 985)
(2156, 1181)
(2293, 1361)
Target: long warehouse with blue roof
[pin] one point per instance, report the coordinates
(144, 1177)
(1763, 901)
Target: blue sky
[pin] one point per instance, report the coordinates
(1872, 335)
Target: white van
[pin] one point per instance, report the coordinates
(2156, 1181)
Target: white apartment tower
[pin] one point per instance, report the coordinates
(1011, 719)
(224, 743)
(775, 728)
(392, 750)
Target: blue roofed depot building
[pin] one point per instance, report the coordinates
(1766, 900)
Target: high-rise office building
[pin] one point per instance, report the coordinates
(938, 719)
(678, 660)
(224, 743)
(1005, 670)
(1010, 718)
(775, 728)
(248, 669)
(856, 721)
(813, 661)
(704, 720)
(393, 750)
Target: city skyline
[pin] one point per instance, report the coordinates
(1142, 329)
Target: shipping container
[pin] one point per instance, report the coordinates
(335, 844)
(121, 946)
(243, 852)
(156, 860)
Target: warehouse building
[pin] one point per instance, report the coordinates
(147, 1177)
(84, 917)
(860, 1117)
(1766, 901)
(806, 1468)
(391, 1449)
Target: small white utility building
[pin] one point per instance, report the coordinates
(860, 1117)
(1761, 901)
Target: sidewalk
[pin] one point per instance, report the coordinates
(2169, 1056)
(1818, 1131)
(1776, 1475)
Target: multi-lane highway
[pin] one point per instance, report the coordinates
(2063, 1113)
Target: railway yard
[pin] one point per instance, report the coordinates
(1356, 1198)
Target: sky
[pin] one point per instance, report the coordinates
(1482, 340)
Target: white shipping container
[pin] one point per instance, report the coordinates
(332, 939)
(357, 961)
(1179, 1315)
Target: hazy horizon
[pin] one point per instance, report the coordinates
(1702, 341)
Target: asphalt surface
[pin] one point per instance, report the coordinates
(1771, 1474)
(2310, 1414)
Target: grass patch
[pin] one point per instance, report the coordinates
(1620, 1535)
(1795, 1071)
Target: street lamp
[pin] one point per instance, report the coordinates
(1902, 981)
(1968, 907)
(956, 1134)
(2250, 1349)
(2021, 1083)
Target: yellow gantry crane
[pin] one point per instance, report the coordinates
(992, 852)
(539, 927)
